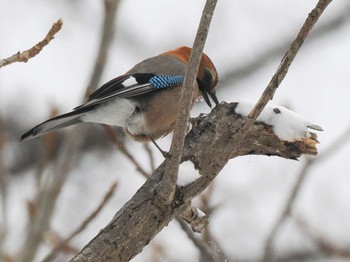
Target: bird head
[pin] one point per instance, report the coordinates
(207, 77)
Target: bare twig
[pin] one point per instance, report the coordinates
(4, 182)
(111, 7)
(51, 256)
(150, 156)
(323, 244)
(208, 247)
(204, 250)
(51, 188)
(207, 236)
(286, 210)
(166, 189)
(259, 60)
(287, 60)
(53, 239)
(301, 178)
(47, 148)
(30, 53)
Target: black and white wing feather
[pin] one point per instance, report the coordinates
(125, 86)
(128, 86)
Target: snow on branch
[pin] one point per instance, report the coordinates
(215, 139)
(209, 146)
(286, 124)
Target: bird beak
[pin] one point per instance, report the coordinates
(213, 97)
(206, 94)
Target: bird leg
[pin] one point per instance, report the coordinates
(164, 153)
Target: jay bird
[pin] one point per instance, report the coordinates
(144, 101)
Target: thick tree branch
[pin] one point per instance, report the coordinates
(30, 53)
(207, 147)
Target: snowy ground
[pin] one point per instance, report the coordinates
(250, 190)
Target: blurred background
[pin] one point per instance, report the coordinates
(260, 207)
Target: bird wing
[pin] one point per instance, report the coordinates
(127, 86)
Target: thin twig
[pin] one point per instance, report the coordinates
(301, 178)
(111, 7)
(323, 244)
(4, 182)
(166, 189)
(286, 210)
(49, 144)
(30, 53)
(150, 156)
(207, 236)
(282, 70)
(245, 70)
(44, 207)
(51, 188)
(52, 255)
(202, 247)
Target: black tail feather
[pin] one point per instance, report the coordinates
(53, 124)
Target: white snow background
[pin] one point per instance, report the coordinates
(251, 190)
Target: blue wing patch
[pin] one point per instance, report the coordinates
(127, 86)
(165, 81)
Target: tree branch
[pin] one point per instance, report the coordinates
(215, 139)
(166, 189)
(54, 252)
(301, 178)
(51, 188)
(30, 53)
(288, 58)
(200, 245)
(111, 7)
(146, 212)
(241, 72)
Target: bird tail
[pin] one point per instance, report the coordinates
(53, 124)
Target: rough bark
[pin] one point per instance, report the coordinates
(209, 145)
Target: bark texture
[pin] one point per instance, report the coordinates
(209, 145)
